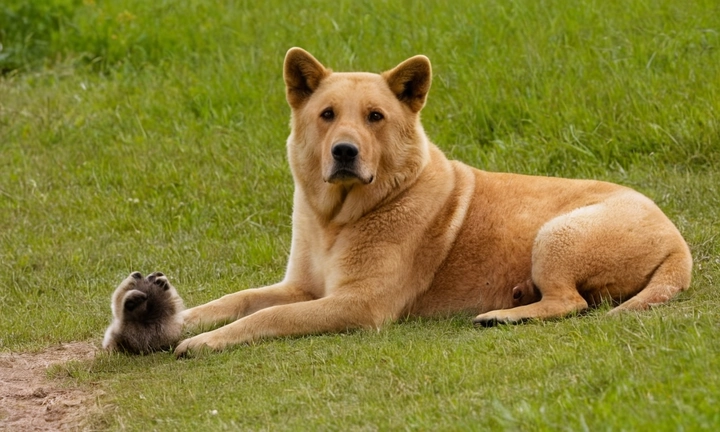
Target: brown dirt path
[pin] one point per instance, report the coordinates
(30, 401)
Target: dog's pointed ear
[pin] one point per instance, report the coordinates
(302, 73)
(410, 81)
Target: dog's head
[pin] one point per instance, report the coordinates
(356, 129)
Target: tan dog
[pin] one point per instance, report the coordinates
(386, 227)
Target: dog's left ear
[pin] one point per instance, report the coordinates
(302, 73)
(410, 81)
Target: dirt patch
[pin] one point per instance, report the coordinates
(30, 401)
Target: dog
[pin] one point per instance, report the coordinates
(146, 315)
(384, 226)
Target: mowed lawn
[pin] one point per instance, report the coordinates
(146, 136)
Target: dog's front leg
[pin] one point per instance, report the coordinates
(242, 303)
(328, 314)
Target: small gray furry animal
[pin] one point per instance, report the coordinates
(146, 315)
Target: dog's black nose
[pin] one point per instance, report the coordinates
(344, 152)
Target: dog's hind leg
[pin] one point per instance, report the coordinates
(558, 299)
(671, 277)
(560, 258)
(621, 248)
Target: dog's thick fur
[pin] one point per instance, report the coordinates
(385, 226)
(146, 315)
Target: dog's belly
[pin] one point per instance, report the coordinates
(479, 272)
(492, 252)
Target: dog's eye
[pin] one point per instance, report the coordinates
(328, 114)
(375, 116)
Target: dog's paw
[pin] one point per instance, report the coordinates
(487, 321)
(191, 318)
(494, 318)
(202, 342)
(199, 319)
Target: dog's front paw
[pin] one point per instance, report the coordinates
(201, 318)
(202, 342)
(191, 318)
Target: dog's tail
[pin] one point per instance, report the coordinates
(672, 276)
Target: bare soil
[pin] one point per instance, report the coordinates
(30, 401)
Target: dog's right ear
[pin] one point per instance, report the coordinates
(302, 73)
(410, 81)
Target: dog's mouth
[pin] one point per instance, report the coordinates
(348, 174)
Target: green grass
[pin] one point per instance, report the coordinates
(151, 136)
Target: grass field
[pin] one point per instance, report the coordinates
(147, 136)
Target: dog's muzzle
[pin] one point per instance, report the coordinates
(345, 153)
(346, 164)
